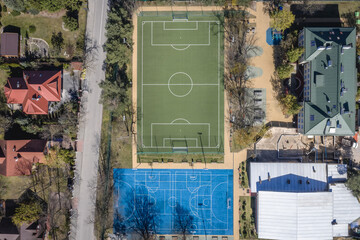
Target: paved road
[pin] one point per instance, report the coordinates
(82, 226)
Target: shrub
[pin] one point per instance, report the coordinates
(294, 54)
(15, 13)
(32, 29)
(34, 11)
(290, 105)
(71, 21)
(282, 20)
(16, 5)
(284, 71)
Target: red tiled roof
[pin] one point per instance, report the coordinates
(34, 91)
(18, 156)
(9, 44)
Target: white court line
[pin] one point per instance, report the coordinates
(177, 193)
(180, 29)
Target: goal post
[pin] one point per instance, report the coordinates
(180, 16)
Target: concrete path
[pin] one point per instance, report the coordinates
(82, 225)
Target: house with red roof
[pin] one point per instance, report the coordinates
(17, 157)
(34, 91)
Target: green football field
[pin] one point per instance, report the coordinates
(180, 84)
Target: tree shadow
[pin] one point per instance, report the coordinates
(12, 29)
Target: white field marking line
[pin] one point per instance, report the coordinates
(180, 29)
(176, 44)
(183, 119)
(142, 80)
(184, 139)
(191, 84)
(180, 84)
(142, 84)
(151, 130)
(180, 49)
(218, 145)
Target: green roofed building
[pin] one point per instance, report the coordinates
(329, 81)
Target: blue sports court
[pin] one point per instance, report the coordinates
(206, 194)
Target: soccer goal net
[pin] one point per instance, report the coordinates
(180, 16)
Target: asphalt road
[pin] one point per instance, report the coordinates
(82, 224)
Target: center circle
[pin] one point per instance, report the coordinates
(180, 84)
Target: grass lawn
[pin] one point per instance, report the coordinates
(180, 86)
(121, 152)
(45, 26)
(16, 186)
(247, 226)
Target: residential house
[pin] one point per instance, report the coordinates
(33, 231)
(17, 157)
(302, 200)
(34, 91)
(329, 71)
(10, 47)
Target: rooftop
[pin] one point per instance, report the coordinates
(331, 53)
(34, 90)
(288, 177)
(10, 44)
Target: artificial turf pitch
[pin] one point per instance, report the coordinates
(180, 85)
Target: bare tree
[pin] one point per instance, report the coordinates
(183, 221)
(145, 219)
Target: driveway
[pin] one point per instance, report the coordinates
(82, 222)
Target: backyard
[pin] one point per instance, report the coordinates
(45, 25)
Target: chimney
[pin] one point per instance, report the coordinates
(269, 178)
(14, 148)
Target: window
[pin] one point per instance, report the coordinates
(312, 43)
(312, 117)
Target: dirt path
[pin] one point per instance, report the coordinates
(265, 62)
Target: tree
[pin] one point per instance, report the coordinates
(57, 41)
(290, 104)
(71, 20)
(119, 35)
(17, 5)
(145, 218)
(183, 221)
(353, 183)
(245, 136)
(73, 4)
(113, 93)
(70, 49)
(5, 123)
(281, 20)
(3, 186)
(26, 213)
(294, 54)
(58, 157)
(32, 28)
(284, 71)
